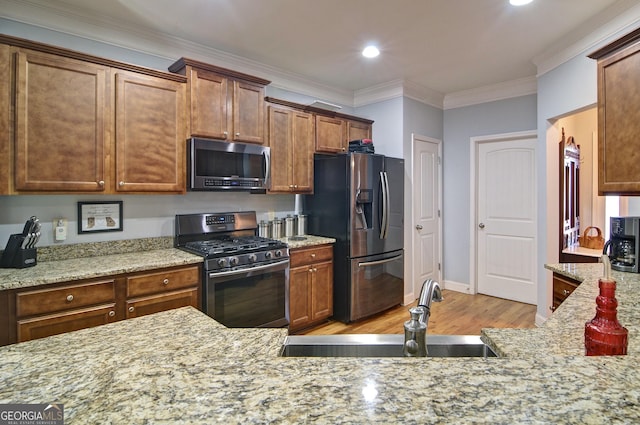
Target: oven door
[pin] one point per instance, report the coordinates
(256, 297)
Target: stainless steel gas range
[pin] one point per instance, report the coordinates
(246, 277)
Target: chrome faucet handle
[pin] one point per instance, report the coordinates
(415, 335)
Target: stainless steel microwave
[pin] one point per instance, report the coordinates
(218, 165)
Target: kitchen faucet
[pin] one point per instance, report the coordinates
(415, 330)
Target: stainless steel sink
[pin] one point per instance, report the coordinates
(381, 345)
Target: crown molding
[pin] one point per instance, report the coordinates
(621, 19)
(506, 90)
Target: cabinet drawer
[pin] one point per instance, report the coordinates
(51, 300)
(153, 283)
(302, 256)
(55, 324)
(156, 303)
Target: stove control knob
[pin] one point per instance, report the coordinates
(278, 253)
(222, 262)
(268, 255)
(252, 258)
(233, 261)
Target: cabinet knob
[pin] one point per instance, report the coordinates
(101, 183)
(112, 313)
(121, 184)
(565, 292)
(344, 149)
(295, 186)
(310, 270)
(315, 270)
(313, 255)
(166, 281)
(552, 308)
(69, 298)
(290, 186)
(225, 133)
(237, 134)
(131, 309)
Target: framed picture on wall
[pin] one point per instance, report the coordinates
(99, 216)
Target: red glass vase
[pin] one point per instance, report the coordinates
(604, 335)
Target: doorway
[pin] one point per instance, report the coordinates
(426, 229)
(504, 216)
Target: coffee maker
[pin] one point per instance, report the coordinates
(624, 245)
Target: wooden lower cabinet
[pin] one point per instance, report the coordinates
(310, 286)
(563, 286)
(54, 309)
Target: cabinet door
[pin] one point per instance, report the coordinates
(60, 110)
(162, 302)
(43, 326)
(150, 134)
(330, 135)
(248, 112)
(619, 130)
(299, 297)
(322, 291)
(358, 130)
(279, 144)
(209, 105)
(5, 119)
(302, 152)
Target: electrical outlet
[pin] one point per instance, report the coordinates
(59, 229)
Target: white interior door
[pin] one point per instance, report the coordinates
(506, 226)
(426, 212)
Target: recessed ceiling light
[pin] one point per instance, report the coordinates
(370, 51)
(520, 2)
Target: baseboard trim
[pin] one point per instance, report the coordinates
(540, 319)
(457, 286)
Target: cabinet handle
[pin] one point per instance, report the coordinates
(112, 313)
(290, 186)
(313, 255)
(166, 281)
(121, 184)
(343, 149)
(131, 309)
(101, 183)
(565, 292)
(69, 298)
(310, 269)
(237, 134)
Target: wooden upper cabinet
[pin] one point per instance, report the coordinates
(5, 120)
(60, 123)
(358, 130)
(223, 104)
(330, 134)
(291, 142)
(208, 94)
(150, 133)
(618, 127)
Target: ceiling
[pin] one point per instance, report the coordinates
(446, 46)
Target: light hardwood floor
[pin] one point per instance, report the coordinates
(458, 313)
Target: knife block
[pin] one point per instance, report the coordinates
(16, 257)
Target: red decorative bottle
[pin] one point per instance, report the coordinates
(604, 335)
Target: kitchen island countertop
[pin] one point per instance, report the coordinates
(181, 366)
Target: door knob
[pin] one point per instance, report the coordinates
(418, 226)
(481, 225)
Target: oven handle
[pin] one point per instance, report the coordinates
(375, 263)
(248, 270)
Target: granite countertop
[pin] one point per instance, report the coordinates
(309, 240)
(181, 366)
(93, 260)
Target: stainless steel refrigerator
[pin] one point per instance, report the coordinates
(359, 200)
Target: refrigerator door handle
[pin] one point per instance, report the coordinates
(384, 226)
(375, 263)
